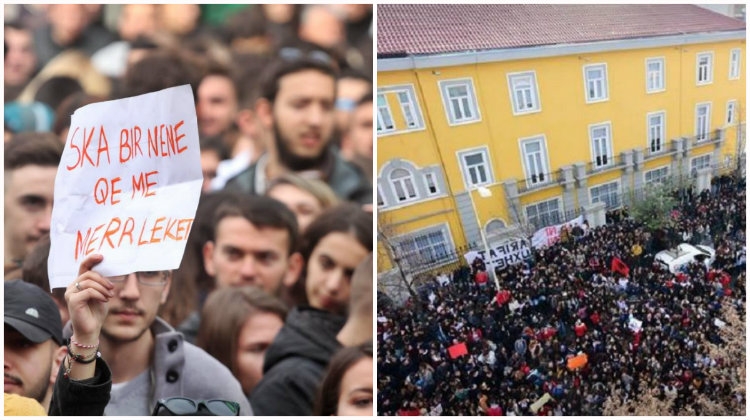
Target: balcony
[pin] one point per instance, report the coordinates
(713, 137)
(604, 164)
(539, 181)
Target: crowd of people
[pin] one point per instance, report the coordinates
(569, 330)
(276, 277)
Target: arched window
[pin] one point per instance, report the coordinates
(495, 226)
(403, 185)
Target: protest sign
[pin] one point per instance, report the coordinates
(457, 350)
(578, 362)
(634, 324)
(503, 254)
(538, 404)
(127, 186)
(549, 235)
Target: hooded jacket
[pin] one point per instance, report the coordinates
(295, 363)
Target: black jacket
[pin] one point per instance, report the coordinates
(82, 398)
(295, 363)
(344, 178)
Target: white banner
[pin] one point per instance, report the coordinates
(549, 235)
(502, 255)
(128, 185)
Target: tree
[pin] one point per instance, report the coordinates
(387, 250)
(654, 209)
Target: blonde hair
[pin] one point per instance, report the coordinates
(73, 64)
(319, 189)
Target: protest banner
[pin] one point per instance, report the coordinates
(538, 404)
(458, 350)
(634, 324)
(549, 235)
(127, 186)
(578, 362)
(503, 254)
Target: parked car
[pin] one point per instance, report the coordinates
(676, 259)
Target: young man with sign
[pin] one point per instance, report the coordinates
(296, 109)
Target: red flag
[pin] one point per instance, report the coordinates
(458, 350)
(619, 266)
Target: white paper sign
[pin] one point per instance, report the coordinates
(502, 255)
(549, 235)
(128, 185)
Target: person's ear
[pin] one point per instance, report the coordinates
(208, 250)
(167, 287)
(58, 355)
(264, 112)
(247, 123)
(294, 270)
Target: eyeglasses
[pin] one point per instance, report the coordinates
(291, 54)
(180, 406)
(146, 278)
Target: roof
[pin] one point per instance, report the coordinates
(419, 29)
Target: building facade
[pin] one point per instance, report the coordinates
(551, 113)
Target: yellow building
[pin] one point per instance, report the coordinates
(555, 109)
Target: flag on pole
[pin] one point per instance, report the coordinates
(458, 350)
(620, 267)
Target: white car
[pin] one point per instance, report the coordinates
(677, 259)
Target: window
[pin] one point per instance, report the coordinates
(656, 176)
(607, 194)
(403, 185)
(601, 145)
(427, 247)
(385, 120)
(596, 82)
(475, 165)
(431, 184)
(704, 71)
(407, 108)
(654, 75)
(544, 213)
(702, 121)
(522, 87)
(700, 162)
(494, 227)
(734, 64)
(656, 131)
(731, 112)
(459, 101)
(534, 155)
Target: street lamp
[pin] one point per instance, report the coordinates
(484, 192)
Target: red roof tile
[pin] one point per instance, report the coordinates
(416, 29)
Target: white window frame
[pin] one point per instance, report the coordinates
(656, 76)
(699, 130)
(542, 160)
(471, 101)
(735, 64)
(381, 120)
(709, 68)
(402, 181)
(466, 169)
(409, 109)
(413, 257)
(660, 178)
(427, 177)
(529, 78)
(731, 116)
(617, 194)
(492, 222)
(598, 144)
(604, 94)
(560, 213)
(382, 197)
(701, 158)
(662, 132)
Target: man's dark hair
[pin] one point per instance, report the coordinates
(160, 70)
(269, 84)
(251, 66)
(262, 212)
(33, 148)
(216, 144)
(67, 107)
(56, 89)
(366, 99)
(348, 72)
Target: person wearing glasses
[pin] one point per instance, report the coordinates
(150, 361)
(297, 113)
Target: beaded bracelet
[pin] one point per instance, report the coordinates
(84, 346)
(80, 358)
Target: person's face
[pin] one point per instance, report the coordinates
(178, 19)
(20, 60)
(303, 204)
(137, 19)
(209, 164)
(348, 92)
(321, 27)
(29, 192)
(356, 390)
(27, 365)
(244, 254)
(278, 13)
(360, 131)
(68, 22)
(303, 116)
(217, 105)
(256, 335)
(133, 309)
(329, 271)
